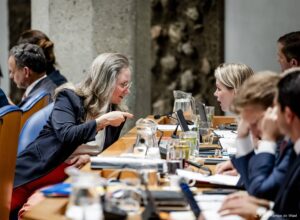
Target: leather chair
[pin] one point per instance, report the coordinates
(34, 104)
(33, 127)
(10, 117)
(223, 120)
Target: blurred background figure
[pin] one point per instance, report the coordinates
(27, 68)
(288, 50)
(229, 78)
(39, 38)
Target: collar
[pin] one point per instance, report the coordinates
(32, 85)
(297, 146)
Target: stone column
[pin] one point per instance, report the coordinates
(82, 29)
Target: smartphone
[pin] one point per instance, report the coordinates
(181, 120)
(188, 195)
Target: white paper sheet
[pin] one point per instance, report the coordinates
(171, 127)
(214, 179)
(226, 133)
(210, 204)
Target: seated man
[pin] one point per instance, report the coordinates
(27, 68)
(262, 171)
(3, 99)
(288, 50)
(287, 202)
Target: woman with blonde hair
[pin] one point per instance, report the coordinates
(229, 78)
(79, 114)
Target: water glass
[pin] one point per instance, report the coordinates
(192, 139)
(206, 133)
(210, 112)
(174, 157)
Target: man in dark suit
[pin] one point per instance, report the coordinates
(287, 202)
(3, 99)
(27, 68)
(262, 170)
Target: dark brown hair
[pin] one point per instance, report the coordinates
(39, 38)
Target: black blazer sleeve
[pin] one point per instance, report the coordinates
(67, 120)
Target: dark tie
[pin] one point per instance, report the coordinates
(282, 146)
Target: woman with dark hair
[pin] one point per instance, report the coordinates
(39, 38)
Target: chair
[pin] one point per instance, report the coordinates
(34, 104)
(10, 117)
(33, 127)
(223, 120)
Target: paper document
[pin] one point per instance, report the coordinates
(214, 179)
(171, 127)
(228, 144)
(210, 204)
(226, 133)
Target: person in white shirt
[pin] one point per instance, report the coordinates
(287, 202)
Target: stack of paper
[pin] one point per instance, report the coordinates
(214, 179)
(210, 204)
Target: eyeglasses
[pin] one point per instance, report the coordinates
(125, 85)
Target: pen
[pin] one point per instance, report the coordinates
(200, 166)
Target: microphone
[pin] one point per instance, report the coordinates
(174, 134)
(169, 115)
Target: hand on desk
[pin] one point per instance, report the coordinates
(243, 205)
(226, 168)
(79, 160)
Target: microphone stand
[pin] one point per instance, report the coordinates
(174, 135)
(150, 212)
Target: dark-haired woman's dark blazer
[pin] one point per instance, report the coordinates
(64, 131)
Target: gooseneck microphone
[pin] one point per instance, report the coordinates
(169, 115)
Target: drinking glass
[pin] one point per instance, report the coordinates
(192, 139)
(84, 200)
(207, 135)
(174, 157)
(210, 112)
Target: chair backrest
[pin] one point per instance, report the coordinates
(10, 117)
(223, 120)
(33, 127)
(34, 104)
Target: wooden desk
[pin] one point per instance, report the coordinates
(53, 208)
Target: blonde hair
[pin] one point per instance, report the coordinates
(99, 83)
(232, 75)
(259, 89)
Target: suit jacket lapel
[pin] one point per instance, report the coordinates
(280, 199)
